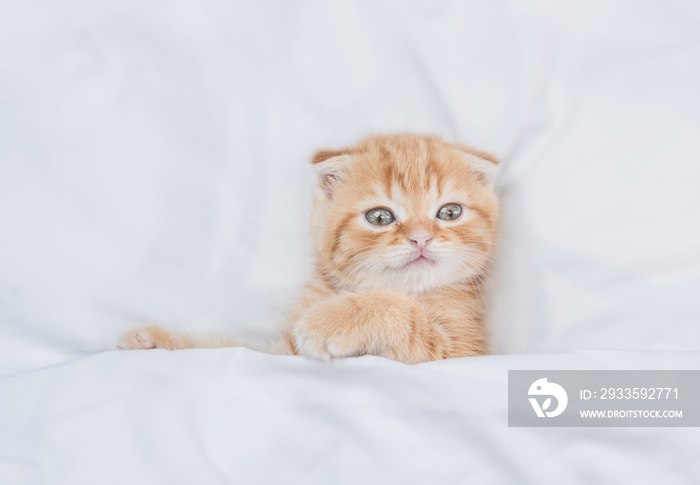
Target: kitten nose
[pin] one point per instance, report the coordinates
(420, 238)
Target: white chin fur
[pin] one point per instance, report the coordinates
(418, 279)
(448, 269)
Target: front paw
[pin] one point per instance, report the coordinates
(322, 333)
(148, 338)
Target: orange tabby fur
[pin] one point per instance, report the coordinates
(365, 295)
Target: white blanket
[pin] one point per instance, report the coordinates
(238, 416)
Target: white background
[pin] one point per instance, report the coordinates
(154, 159)
(154, 167)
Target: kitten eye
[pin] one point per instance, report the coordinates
(449, 212)
(379, 217)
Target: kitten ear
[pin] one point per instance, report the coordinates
(330, 166)
(483, 164)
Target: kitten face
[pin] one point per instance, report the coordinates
(404, 212)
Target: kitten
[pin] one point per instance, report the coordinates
(403, 229)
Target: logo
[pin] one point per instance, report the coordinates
(543, 388)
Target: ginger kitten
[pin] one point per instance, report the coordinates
(403, 229)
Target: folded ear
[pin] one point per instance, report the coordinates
(330, 166)
(483, 164)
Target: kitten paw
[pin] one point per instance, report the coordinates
(315, 338)
(148, 338)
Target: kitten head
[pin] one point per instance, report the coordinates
(405, 212)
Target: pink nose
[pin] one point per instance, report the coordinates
(420, 238)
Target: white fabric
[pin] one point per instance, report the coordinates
(155, 157)
(238, 416)
(154, 168)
